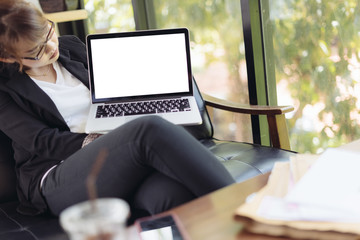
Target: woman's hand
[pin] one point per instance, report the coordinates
(89, 138)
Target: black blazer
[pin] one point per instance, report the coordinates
(40, 137)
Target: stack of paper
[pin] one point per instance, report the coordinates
(309, 198)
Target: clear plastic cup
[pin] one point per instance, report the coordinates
(106, 222)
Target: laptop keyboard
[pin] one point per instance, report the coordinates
(148, 107)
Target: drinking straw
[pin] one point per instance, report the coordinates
(91, 179)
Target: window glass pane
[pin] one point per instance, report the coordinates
(316, 49)
(109, 15)
(217, 54)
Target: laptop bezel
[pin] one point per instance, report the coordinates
(91, 37)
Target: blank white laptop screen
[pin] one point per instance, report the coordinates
(130, 68)
(139, 65)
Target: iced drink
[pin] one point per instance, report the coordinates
(101, 219)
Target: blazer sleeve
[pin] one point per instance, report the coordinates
(36, 135)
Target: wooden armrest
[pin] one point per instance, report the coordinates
(244, 108)
(275, 116)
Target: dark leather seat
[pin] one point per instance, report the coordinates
(243, 160)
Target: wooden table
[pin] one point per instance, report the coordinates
(212, 217)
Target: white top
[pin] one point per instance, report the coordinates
(64, 93)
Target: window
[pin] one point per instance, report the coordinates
(311, 53)
(217, 54)
(217, 48)
(316, 52)
(109, 15)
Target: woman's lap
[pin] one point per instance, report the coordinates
(136, 153)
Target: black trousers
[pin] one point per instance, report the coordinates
(151, 163)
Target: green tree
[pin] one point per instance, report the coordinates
(316, 43)
(217, 25)
(109, 15)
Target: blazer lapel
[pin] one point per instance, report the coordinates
(24, 86)
(74, 67)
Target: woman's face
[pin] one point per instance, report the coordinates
(46, 51)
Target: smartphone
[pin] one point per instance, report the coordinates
(161, 227)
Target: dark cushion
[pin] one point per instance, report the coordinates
(17, 226)
(245, 160)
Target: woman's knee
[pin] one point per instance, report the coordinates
(138, 128)
(151, 122)
(153, 127)
(159, 193)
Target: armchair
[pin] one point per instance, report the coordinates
(275, 116)
(243, 160)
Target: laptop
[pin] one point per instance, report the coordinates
(140, 73)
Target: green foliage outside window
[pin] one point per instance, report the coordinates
(217, 37)
(109, 15)
(316, 48)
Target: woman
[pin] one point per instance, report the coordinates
(44, 98)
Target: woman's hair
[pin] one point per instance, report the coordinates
(19, 21)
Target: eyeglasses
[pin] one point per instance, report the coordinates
(43, 45)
